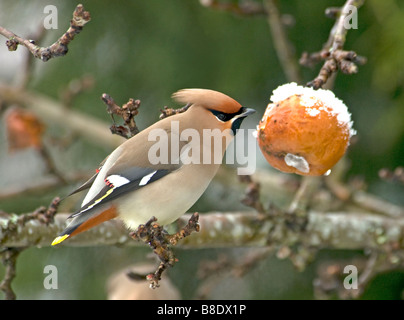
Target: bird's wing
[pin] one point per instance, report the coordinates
(94, 212)
(86, 185)
(118, 184)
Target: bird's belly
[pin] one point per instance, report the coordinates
(166, 210)
(167, 205)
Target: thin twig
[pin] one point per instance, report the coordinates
(284, 48)
(51, 166)
(211, 272)
(242, 8)
(27, 72)
(397, 175)
(332, 52)
(54, 113)
(168, 112)
(303, 196)
(46, 184)
(9, 259)
(75, 87)
(252, 194)
(156, 237)
(376, 204)
(128, 112)
(57, 49)
(340, 31)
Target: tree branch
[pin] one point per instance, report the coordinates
(243, 8)
(269, 9)
(128, 112)
(168, 112)
(53, 112)
(57, 49)
(9, 259)
(332, 52)
(394, 176)
(336, 230)
(284, 48)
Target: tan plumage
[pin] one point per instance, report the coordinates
(132, 187)
(209, 99)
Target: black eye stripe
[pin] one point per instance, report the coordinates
(222, 116)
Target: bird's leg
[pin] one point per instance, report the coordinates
(156, 237)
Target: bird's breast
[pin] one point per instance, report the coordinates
(167, 199)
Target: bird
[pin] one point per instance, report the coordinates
(164, 169)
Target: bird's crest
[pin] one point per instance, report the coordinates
(209, 99)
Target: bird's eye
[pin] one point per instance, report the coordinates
(221, 117)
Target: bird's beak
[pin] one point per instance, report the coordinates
(238, 119)
(245, 112)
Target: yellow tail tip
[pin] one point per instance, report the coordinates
(60, 239)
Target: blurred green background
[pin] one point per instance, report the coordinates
(149, 49)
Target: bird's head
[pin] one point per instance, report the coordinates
(212, 109)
